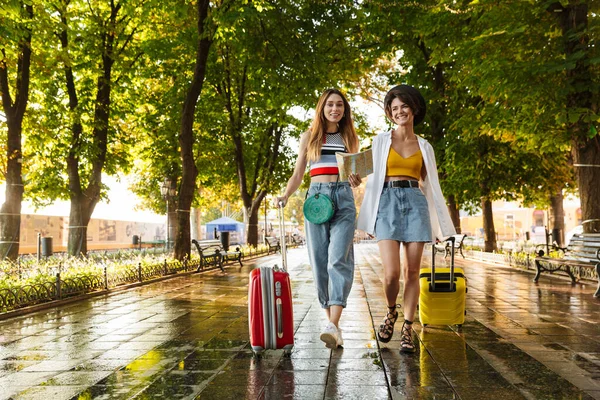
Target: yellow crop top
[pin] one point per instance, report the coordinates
(400, 166)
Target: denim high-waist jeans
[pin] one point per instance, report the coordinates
(330, 245)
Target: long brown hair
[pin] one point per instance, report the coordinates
(319, 126)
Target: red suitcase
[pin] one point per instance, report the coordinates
(270, 310)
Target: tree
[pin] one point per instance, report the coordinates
(528, 75)
(581, 104)
(186, 134)
(255, 137)
(176, 122)
(256, 93)
(14, 66)
(415, 36)
(95, 53)
(504, 83)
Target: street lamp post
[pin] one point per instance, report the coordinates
(168, 190)
(266, 233)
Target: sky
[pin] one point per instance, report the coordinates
(122, 205)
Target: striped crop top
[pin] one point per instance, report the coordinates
(327, 164)
(400, 166)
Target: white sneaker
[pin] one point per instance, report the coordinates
(340, 341)
(332, 336)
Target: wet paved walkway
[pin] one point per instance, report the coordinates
(187, 338)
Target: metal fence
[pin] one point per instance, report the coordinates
(28, 283)
(62, 285)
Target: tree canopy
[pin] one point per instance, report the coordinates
(204, 92)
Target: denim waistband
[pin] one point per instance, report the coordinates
(320, 185)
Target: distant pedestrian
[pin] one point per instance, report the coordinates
(329, 244)
(403, 204)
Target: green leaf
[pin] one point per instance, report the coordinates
(574, 117)
(593, 131)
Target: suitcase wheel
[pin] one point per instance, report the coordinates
(465, 312)
(466, 290)
(287, 353)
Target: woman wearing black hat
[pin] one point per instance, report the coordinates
(403, 204)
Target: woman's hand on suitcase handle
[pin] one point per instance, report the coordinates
(280, 202)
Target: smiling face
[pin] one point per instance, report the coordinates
(401, 113)
(333, 111)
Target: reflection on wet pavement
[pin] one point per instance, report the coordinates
(187, 338)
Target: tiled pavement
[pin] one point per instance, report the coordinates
(187, 338)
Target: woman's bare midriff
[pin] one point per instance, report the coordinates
(400, 178)
(323, 178)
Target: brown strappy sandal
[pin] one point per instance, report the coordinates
(407, 345)
(386, 330)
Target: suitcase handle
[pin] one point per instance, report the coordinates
(282, 243)
(451, 286)
(279, 318)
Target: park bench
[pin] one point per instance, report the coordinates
(232, 255)
(297, 240)
(581, 258)
(445, 246)
(272, 244)
(212, 253)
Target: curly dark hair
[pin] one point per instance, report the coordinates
(409, 96)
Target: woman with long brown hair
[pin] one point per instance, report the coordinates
(329, 244)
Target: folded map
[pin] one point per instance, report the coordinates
(355, 163)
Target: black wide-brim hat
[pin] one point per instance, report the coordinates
(414, 94)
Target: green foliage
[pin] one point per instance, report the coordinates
(52, 121)
(258, 73)
(493, 74)
(30, 272)
(293, 211)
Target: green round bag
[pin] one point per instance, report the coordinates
(318, 208)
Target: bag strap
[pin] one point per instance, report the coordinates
(333, 191)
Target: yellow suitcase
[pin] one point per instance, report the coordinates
(440, 302)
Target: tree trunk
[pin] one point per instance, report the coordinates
(84, 199)
(454, 213)
(251, 217)
(437, 118)
(172, 220)
(79, 213)
(557, 218)
(489, 231)
(79, 218)
(588, 176)
(10, 212)
(186, 137)
(252, 232)
(573, 20)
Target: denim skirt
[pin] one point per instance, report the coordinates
(403, 215)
